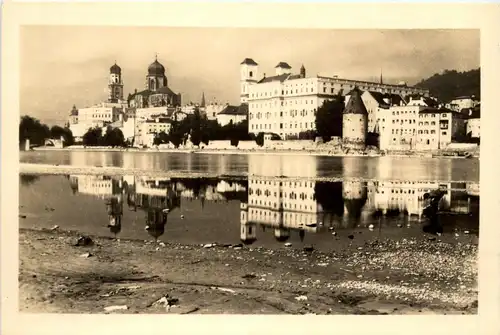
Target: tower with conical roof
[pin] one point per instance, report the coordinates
(354, 122)
(115, 84)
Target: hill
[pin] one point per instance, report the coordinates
(450, 84)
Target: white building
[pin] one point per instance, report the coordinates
(149, 129)
(374, 101)
(234, 114)
(437, 128)
(474, 122)
(213, 109)
(98, 185)
(286, 103)
(398, 127)
(460, 103)
(103, 112)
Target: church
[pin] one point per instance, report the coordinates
(157, 92)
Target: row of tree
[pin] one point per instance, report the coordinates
(37, 132)
(113, 137)
(198, 129)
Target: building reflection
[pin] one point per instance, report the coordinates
(300, 207)
(156, 197)
(283, 207)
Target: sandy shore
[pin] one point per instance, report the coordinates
(49, 169)
(263, 151)
(381, 277)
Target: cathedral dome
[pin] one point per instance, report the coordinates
(115, 69)
(156, 69)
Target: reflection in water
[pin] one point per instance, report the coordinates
(285, 208)
(27, 179)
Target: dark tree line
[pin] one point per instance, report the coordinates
(36, 132)
(113, 137)
(451, 84)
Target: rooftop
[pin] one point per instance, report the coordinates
(394, 99)
(235, 110)
(283, 65)
(249, 61)
(355, 105)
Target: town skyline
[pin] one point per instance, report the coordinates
(62, 66)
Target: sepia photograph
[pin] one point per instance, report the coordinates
(249, 170)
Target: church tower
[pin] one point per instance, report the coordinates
(248, 76)
(302, 71)
(115, 84)
(156, 78)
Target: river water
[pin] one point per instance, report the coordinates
(305, 166)
(388, 202)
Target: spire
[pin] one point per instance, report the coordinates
(381, 81)
(156, 56)
(202, 104)
(302, 71)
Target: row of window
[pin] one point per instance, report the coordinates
(287, 215)
(293, 113)
(307, 125)
(285, 205)
(289, 183)
(283, 103)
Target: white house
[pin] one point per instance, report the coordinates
(234, 114)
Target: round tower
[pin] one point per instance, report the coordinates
(248, 76)
(115, 84)
(354, 122)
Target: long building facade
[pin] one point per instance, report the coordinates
(286, 103)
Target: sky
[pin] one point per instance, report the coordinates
(62, 66)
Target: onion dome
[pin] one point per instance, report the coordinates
(156, 69)
(115, 69)
(74, 111)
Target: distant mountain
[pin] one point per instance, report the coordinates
(450, 84)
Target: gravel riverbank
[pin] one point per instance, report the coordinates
(381, 277)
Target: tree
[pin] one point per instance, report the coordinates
(176, 135)
(113, 137)
(195, 125)
(451, 84)
(307, 135)
(56, 132)
(93, 137)
(260, 139)
(161, 138)
(33, 130)
(329, 118)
